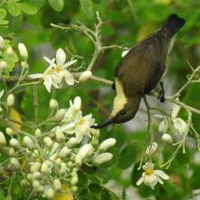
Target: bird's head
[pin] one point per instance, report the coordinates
(122, 112)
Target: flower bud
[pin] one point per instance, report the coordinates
(86, 150)
(24, 183)
(24, 64)
(37, 175)
(57, 184)
(28, 142)
(74, 180)
(74, 188)
(38, 133)
(49, 193)
(23, 51)
(9, 131)
(124, 53)
(72, 142)
(3, 66)
(85, 76)
(29, 177)
(78, 160)
(14, 143)
(106, 144)
(11, 152)
(60, 56)
(59, 135)
(2, 42)
(64, 152)
(35, 167)
(15, 163)
(2, 139)
(1, 109)
(10, 100)
(167, 138)
(77, 103)
(36, 184)
(46, 166)
(102, 158)
(151, 148)
(53, 104)
(60, 114)
(163, 126)
(48, 141)
(9, 51)
(63, 168)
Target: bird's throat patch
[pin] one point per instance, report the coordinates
(120, 99)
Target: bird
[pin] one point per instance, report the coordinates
(140, 70)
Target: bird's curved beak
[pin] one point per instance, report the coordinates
(106, 123)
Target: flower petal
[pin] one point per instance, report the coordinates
(60, 57)
(160, 180)
(69, 79)
(148, 165)
(35, 76)
(69, 63)
(48, 84)
(140, 181)
(162, 174)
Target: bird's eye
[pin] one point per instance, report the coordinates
(122, 112)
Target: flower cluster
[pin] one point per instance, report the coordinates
(49, 160)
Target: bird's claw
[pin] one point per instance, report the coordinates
(161, 95)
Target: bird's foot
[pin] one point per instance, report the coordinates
(161, 95)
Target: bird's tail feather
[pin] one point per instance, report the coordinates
(174, 23)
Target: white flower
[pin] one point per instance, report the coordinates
(106, 144)
(35, 167)
(23, 51)
(180, 125)
(59, 135)
(2, 139)
(2, 42)
(49, 193)
(72, 142)
(85, 76)
(151, 177)
(151, 148)
(167, 138)
(74, 180)
(102, 158)
(46, 166)
(10, 100)
(57, 72)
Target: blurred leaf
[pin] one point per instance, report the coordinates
(57, 5)
(27, 7)
(88, 9)
(124, 194)
(2, 197)
(15, 116)
(195, 178)
(127, 156)
(13, 9)
(95, 188)
(3, 22)
(88, 169)
(105, 195)
(2, 13)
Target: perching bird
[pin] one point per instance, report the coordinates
(140, 71)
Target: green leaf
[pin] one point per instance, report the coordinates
(57, 5)
(2, 197)
(127, 156)
(13, 9)
(124, 194)
(95, 188)
(105, 195)
(88, 9)
(2, 13)
(27, 7)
